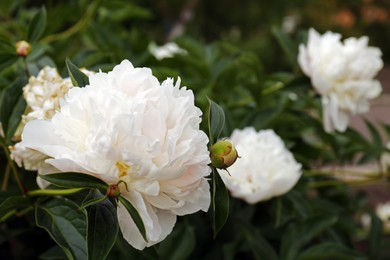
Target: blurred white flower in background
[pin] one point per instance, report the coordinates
(385, 159)
(168, 50)
(126, 126)
(382, 210)
(342, 73)
(265, 168)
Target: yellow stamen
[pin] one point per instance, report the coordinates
(123, 168)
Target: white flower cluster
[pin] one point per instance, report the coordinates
(342, 73)
(43, 95)
(265, 168)
(44, 92)
(127, 127)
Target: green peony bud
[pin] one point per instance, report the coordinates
(23, 48)
(113, 191)
(223, 154)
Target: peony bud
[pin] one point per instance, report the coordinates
(113, 191)
(23, 48)
(223, 154)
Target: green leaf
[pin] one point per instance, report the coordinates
(179, 244)
(78, 78)
(9, 100)
(103, 227)
(74, 180)
(261, 249)
(376, 233)
(7, 59)
(216, 121)
(288, 46)
(305, 231)
(92, 199)
(330, 250)
(377, 144)
(11, 204)
(37, 26)
(15, 117)
(220, 202)
(135, 216)
(54, 253)
(66, 224)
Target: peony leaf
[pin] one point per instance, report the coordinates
(220, 202)
(102, 228)
(37, 26)
(179, 244)
(9, 206)
(15, 117)
(216, 121)
(306, 231)
(92, 198)
(289, 48)
(10, 105)
(78, 78)
(135, 216)
(260, 247)
(330, 250)
(66, 224)
(74, 180)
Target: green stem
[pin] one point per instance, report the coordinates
(4, 184)
(75, 28)
(273, 88)
(54, 192)
(14, 170)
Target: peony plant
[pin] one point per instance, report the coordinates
(126, 162)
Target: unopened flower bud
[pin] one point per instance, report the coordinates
(23, 48)
(223, 154)
(113, 191)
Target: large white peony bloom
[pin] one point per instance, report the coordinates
(342, 73)
(43, 95)
(126, 126)
(265, 168)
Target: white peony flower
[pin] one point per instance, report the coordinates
(44, 92)
(126, 126)
(168, 50)
(265, 168)
(342, 73)
(43, 95)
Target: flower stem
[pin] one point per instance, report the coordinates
(14, 170)
(75, 28)
(4, 184)
(54, 192)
